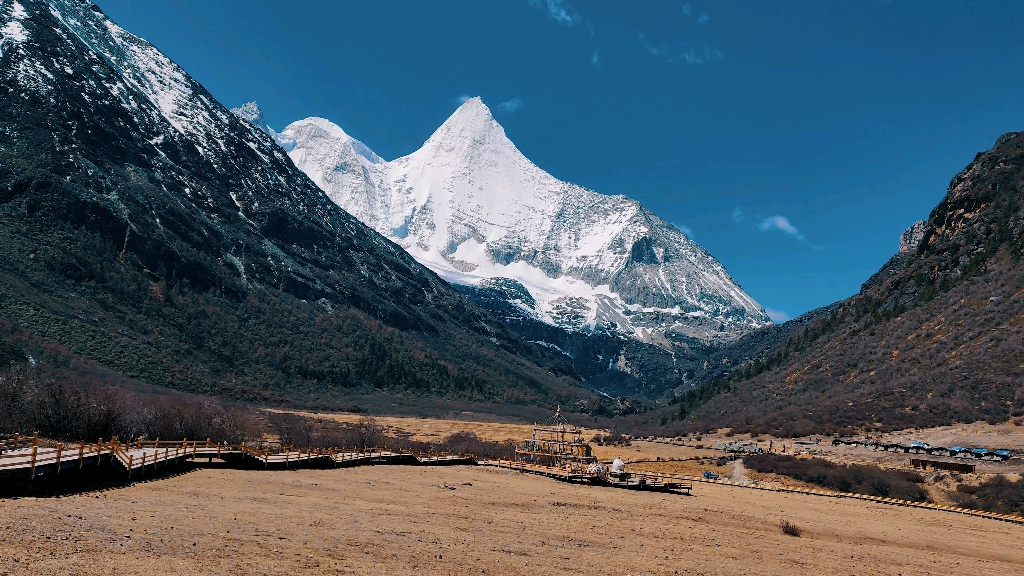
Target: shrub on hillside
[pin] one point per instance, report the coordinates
(613, 439)
(856, 478)
(178, 418)
(469, 443)
(997, 494)
(50, 402)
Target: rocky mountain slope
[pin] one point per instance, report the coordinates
(936, 336)
(143, 226)
(472, 208)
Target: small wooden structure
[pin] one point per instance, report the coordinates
(959, 467)
(558, 444)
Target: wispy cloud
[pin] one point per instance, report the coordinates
(702, 55)
(677, 50)
(694, 51)
(737, 216)
(777, 316)
(461, 99)
(655, 50)
(684, 229)
(780, 223)
(558, 10)
(511, 106)
(688, 12)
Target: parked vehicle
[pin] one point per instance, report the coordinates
(959, 451)
(709, 475)
(919, 447)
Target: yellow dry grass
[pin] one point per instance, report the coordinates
(427, 429)
(473, 520)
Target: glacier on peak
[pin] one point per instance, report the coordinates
(471, 207)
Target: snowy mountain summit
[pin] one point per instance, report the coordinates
(472, 208)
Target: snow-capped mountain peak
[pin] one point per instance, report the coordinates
(471, 125)
(339, 164)
(251, 113)
(470, 206)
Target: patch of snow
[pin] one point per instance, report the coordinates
(13, 31)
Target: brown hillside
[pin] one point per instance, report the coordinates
(936, 336)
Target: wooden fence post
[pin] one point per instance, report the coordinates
(129, 465)
(15, 441)
(81, 454)
(34, 448)
(60, 447)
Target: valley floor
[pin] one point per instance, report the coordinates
(473, 520)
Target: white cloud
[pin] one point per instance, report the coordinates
(558, 10)
(685, 230)
(737, 215)
(687, 9)
(511, 106)
(461, 98)
(777, 316)
(780, 223)
(596, 60)
(703, 19)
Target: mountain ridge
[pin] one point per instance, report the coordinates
(145, 227)
(472, 208)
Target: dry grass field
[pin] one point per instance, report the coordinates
(427, 429)
(474, 520)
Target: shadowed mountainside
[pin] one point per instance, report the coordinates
(144, 227)
(936, 336)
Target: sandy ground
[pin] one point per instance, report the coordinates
(473, 520)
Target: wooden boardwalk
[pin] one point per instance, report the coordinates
(27, 458)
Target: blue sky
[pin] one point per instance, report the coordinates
(794, 141)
